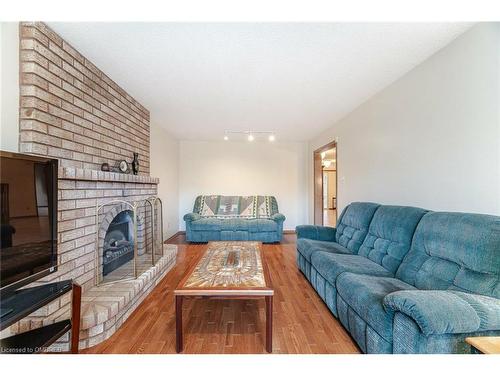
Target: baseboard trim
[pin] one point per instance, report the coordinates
(175, 235)
(289, 231)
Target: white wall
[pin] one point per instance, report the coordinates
(432, 138)
(244, 168)
(165, 165)
(9, 86)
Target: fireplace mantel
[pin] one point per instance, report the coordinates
(69, 173)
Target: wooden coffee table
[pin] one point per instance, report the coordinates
(485, 344)
(227, 270)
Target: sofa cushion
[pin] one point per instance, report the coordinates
(365, 294)
(262, 225)
(251, 225)
(390, 234)
(455, 251)
(307, 247)
(234, 224)
(315, 232)
(206, 224)
(330, 265)
(439, 312)
(353, 224)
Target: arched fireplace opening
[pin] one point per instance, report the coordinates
(129, 238)
(118, 247)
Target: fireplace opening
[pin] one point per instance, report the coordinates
(129, 239)
(118, 248)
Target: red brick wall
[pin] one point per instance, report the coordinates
(71, 110)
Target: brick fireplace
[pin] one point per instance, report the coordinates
(72, 111)
(105, 306)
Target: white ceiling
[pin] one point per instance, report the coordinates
(200, 79)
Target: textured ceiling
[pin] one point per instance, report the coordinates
(297, 79)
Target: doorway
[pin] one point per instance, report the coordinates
(325, 185)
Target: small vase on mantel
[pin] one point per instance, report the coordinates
(135, 163)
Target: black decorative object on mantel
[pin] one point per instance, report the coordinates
(105, 167)
(135, 163)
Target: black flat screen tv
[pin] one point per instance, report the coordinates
(28, 206)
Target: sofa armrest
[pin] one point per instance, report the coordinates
(278, 217)
(315, 232)
(191, 216)
(444, 311)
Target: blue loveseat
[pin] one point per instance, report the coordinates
(406, 280)
(234, 218)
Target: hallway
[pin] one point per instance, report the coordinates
(329, 218)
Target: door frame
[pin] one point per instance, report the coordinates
(318, 181)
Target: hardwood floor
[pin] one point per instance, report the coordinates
(302, 322)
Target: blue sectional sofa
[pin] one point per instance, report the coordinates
(407, 280)
(234, 218)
